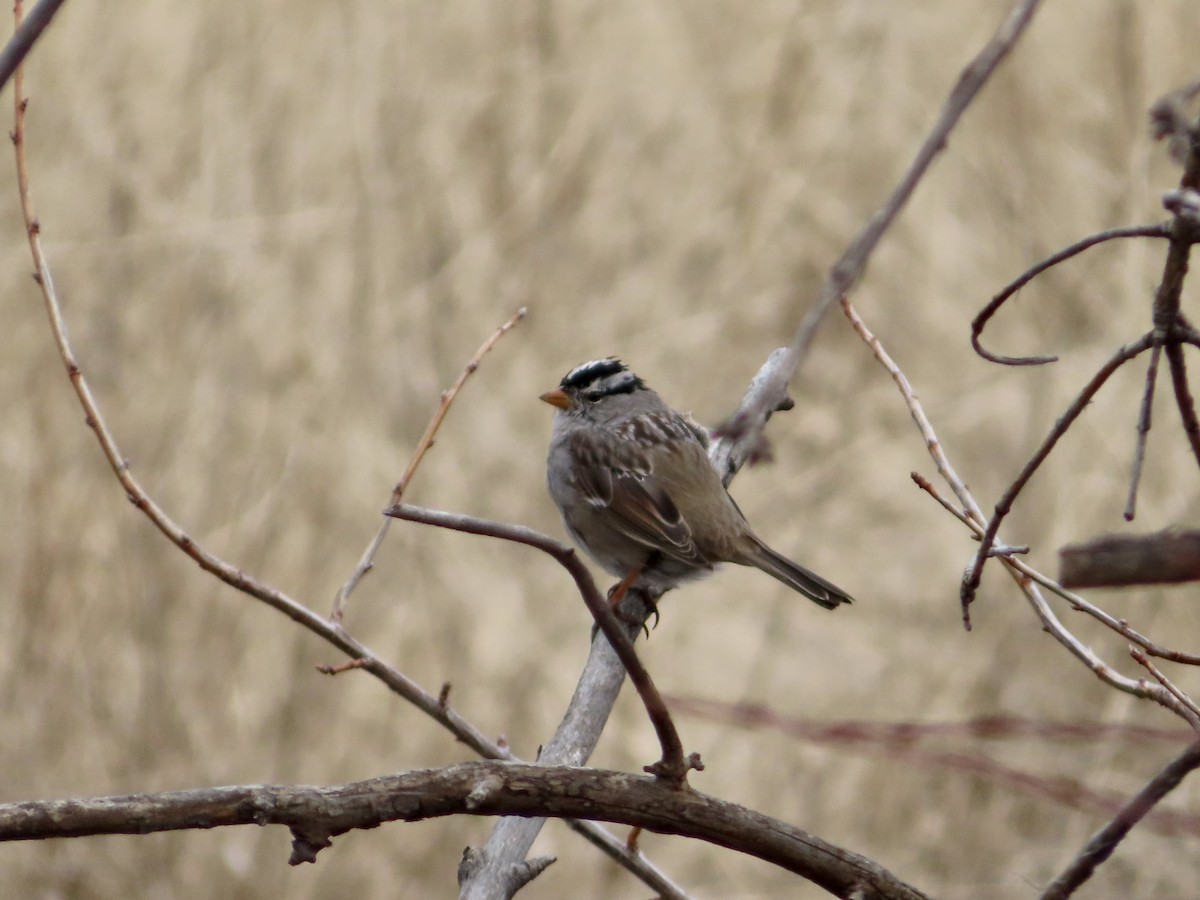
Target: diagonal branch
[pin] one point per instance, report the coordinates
(971, 580)
(366, 562)
(1105, 841)
(29, 29)
(770, 390)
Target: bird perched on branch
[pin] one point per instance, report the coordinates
(632, 479)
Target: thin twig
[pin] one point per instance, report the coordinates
(1105, 841)
(920, 419)
(1140, 656)
(1162, 230)
(1026, 576)
(673, 767)
(1143, 430)
(971, 516)
(366, 561)
(971, 580)
(1183, 398)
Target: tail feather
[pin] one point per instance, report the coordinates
(795, 576)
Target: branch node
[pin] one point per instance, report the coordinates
(305, 847)
(485, 791)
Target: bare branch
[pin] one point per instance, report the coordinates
(1140, 656)
(980, 321)
(317, 814)
(1025, 576)
(1183, 398)
(1105, 841)
(971, 580)
(769, 392)
(366, 562)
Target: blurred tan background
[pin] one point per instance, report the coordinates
(279, 231)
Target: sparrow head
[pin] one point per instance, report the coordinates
(593, 381)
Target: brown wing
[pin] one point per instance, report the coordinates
(616, 476)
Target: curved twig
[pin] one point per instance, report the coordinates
(1161, 230)
(673, 767)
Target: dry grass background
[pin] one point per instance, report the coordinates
(280, 230)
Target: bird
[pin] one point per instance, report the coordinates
(632, 479)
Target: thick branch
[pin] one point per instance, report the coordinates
(317, 814)
(1122, 560)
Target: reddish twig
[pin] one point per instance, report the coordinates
(1105, 841)
(899, 741)
(366, 561)
(673, 767)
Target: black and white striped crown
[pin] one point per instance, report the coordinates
(601, 377)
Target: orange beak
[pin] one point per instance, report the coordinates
(557, 398)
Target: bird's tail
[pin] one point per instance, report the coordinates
(795, 576)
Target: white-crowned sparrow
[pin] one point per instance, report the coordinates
(632, 479)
